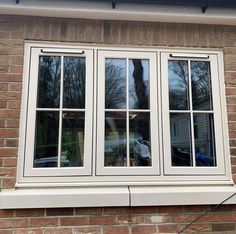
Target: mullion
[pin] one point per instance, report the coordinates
(60, 113)
(127, 114)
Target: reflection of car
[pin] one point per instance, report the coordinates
(50, 162)
(142, 153)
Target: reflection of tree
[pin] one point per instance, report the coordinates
(115, 85)
(200, 80)
(49, 82)
(74, 83)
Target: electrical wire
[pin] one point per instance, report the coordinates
(206, 213)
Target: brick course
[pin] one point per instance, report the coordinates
(13, 31)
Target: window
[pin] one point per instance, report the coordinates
(104, 115)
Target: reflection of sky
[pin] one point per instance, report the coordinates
(132, 92)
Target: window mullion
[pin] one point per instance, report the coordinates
(127, 112)
(60, 113)
(191, 113)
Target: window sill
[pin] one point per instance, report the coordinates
(116, 196)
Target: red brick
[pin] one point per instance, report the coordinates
(8, 152)
(232, 134)
(6, 231)
(11, 142)
(218, 218)
(9, 183)
(7, 172)
(115, 210)
(3, 104)
(88, 211)
(1, 142)
(13, 104)
(4, 35)
(12, 123)
(16, 69)
(59, 211)
(124, 219)
(8, 133)
(3, 86)
(28, 231)
(44, 222)
(2, 123)
(168, 228)
(16, 60)
(13, 223)
(115, 230)
(74, 221)
(170, 209)
(143, 210)
(6, 213)
(103, 220)
(144, 229)
(29, 212)
(4, 68)
(196, 209)
(10, 77)
(196, 228)
(16, 35)
(88, 230)
(14, 86)
(59, 231)
(230, 91)
(10, 114)
(180, 218)
(158, 219)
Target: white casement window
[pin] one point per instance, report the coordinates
(115, 115)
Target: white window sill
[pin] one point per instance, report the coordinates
(116, 196)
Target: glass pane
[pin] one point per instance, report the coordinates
(138, 84)
(49, 82)
(72, 148)
(178, 85)
(139, 139)
(204, 140)
(74, 83)
(115, 139)
(201, 85)
(46, 139)
(115, 84)
(181, 151)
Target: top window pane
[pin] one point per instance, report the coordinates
(115, 83)
(138, 84)
(178, 85)
(201, 85)
(74, 83)
(49, 82)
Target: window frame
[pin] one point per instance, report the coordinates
(107, 180)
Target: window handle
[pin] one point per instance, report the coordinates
(64, 51)
(198, 56)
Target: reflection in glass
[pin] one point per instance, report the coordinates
(115, 139)
(204, 140)
(178, 85)
(139, 139)
(115, 84)
(46, 139)
(138, 84)
(49, 82)
(181, 144)
(201, 85)
(74, 83)
(72, 147)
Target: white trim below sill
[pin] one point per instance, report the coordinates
(123, 11)
(116, 196)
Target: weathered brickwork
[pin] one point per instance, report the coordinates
(13, 31)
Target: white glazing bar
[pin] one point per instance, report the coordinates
(60, 115)
(127, 112)
(47, 109)
(134, 110)
(191, 113)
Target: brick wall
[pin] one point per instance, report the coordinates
(13, 31)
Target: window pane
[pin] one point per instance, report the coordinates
(72, 148)
(201, 85)
(139, 139)
(204, 140)
(181, 145)
(138, 84)
(49, 82)
(115, 139)
(115, 84)
(178, 85)
(46, 139)
(74, 83)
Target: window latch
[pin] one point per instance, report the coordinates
(198, 56)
